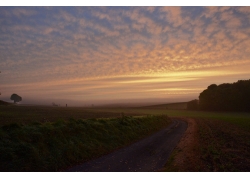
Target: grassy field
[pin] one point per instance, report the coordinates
(52, 138)
(27, 114)
(28, 143)
(223, 140)
(240, 119)
(175, 106)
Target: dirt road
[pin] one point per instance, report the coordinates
(147, 155)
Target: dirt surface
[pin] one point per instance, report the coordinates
(185, 153)
(147, 155)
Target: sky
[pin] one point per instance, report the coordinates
(110, 54)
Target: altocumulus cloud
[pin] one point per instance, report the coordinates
(45, 45)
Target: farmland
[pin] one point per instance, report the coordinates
(27, 114)
(221, 140)
(238, 118)
(67, 136)
(173, 106)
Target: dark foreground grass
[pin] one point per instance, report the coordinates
(54, 146)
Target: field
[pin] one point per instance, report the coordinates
(239, 119)
(27, 114)
(173, 106)
(221, 141)
(67, 136)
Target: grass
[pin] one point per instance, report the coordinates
(28, 114)
(178, 105)
(223, 140)
(4, 103)
(53, 138)
(53, 146)
(238, 118)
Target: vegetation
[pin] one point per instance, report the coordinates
(222, 140)
(15, 98)
(193, 105)
(29, 114)
(176, 106)
(179, 105)
(33, 139)
(226, 97)
(240, 119)
(4, 103)
(52, 146)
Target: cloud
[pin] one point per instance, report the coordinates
(173, 15)
(41, 45)
(244, 9)
(17, 12)
(167, 84)
(210, 11)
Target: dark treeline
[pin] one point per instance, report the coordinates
(193, 105)
(226, 97)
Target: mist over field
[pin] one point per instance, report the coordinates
(94, 103)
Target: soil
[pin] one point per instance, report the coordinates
(186, 156)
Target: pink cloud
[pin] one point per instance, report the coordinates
(233, 23)
(173, 15)
(210, 11)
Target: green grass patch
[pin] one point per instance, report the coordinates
(240, 119)
(53, 146)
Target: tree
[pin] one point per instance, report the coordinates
(193, 105)
(226, 97)
(15, 98)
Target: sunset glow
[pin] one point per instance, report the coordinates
(85, 55)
